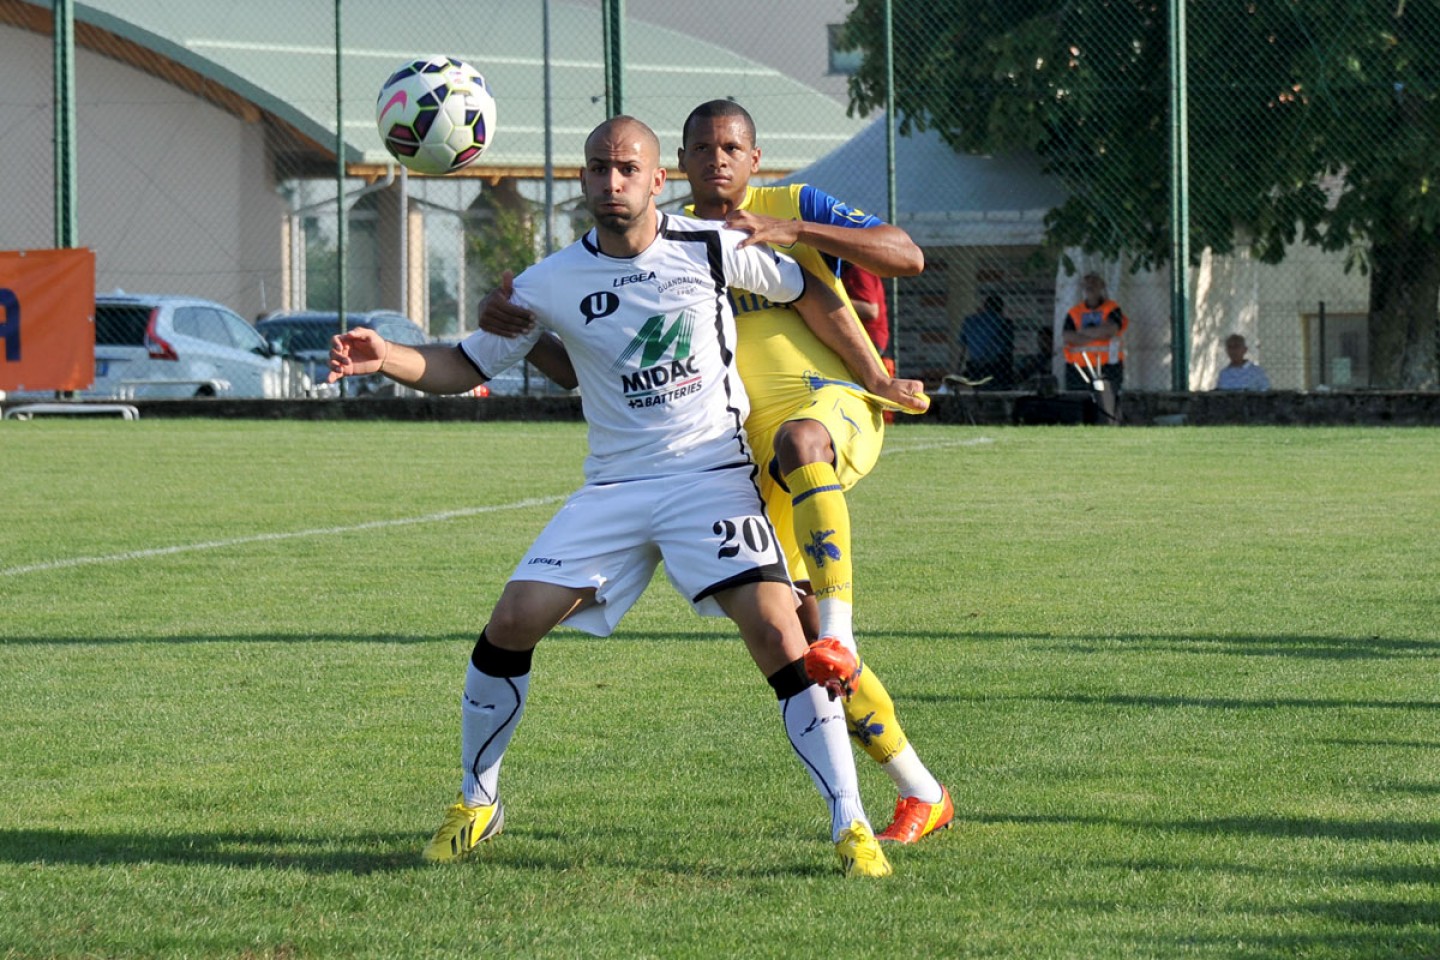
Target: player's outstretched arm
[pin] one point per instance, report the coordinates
(431, 367)
(831, 320)
(884, 249)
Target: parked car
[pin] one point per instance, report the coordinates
(304, 337)
(523, 380)
(157, 346)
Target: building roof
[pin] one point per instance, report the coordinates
(943, 198)
(278, 56)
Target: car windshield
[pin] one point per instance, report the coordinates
(298, 337)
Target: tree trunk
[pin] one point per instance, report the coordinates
(1404, 301)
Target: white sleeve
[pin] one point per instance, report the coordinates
(759, 269)
(491, 353)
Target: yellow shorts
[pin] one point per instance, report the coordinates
(856, 426)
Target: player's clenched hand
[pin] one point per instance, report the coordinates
(356, 353)
(499, 316)
(908, 395)
(763, 229)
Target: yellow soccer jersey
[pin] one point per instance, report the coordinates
(779, 359)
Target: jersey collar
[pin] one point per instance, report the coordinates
(591, 239)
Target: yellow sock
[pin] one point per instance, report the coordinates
(822, 529)
(870, 714)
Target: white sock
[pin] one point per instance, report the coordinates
(835, 621)
(911, 777)
(815, 725)
(489, 712)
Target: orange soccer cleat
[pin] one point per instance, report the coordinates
(914, 818)
(831, 665)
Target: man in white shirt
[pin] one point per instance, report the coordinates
(1240, 374)
(642, 305)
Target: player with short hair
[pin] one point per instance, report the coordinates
(814, 433)
(641, 302)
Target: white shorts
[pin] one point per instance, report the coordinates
(709, 528)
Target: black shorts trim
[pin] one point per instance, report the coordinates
(769, 573)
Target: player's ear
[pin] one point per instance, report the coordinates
(754, 159)
(659, 185)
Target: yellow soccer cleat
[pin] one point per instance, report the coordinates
(860, 853)
(914, 818)
(462, 829)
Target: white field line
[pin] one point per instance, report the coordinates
(890, 450)
(271, 537)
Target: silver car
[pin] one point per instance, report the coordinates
(161, 346)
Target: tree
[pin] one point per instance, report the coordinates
(507, 242)
(1310, 120)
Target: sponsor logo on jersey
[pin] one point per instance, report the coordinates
(548, 561)
(654, 380)
(598, 305)
(633, 278)
(685, 281)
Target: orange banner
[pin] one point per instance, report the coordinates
(47, 319)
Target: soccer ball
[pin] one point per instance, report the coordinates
(436, 115)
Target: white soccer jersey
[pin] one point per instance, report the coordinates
(652, 339)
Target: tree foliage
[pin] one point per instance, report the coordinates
(1311, 121)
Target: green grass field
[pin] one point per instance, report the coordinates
(1182, 684)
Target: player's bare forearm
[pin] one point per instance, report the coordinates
(550, 358)
(837, 327)
(867, 312)
(436, 368)
(884, 250)
(432, 368)
(829, 319)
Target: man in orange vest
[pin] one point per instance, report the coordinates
(1092, 332)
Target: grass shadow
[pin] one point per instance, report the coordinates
(1307, 828)
(400, 853)
(1151, 701)
(231, 848)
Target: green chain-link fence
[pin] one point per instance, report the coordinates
(1033, 143)
(1312, 213)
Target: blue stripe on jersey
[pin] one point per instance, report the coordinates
(817, 382)
(830, 488)
(817, 206)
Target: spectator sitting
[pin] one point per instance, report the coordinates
(1240, 374)
(1036, 371)
(987, 346)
